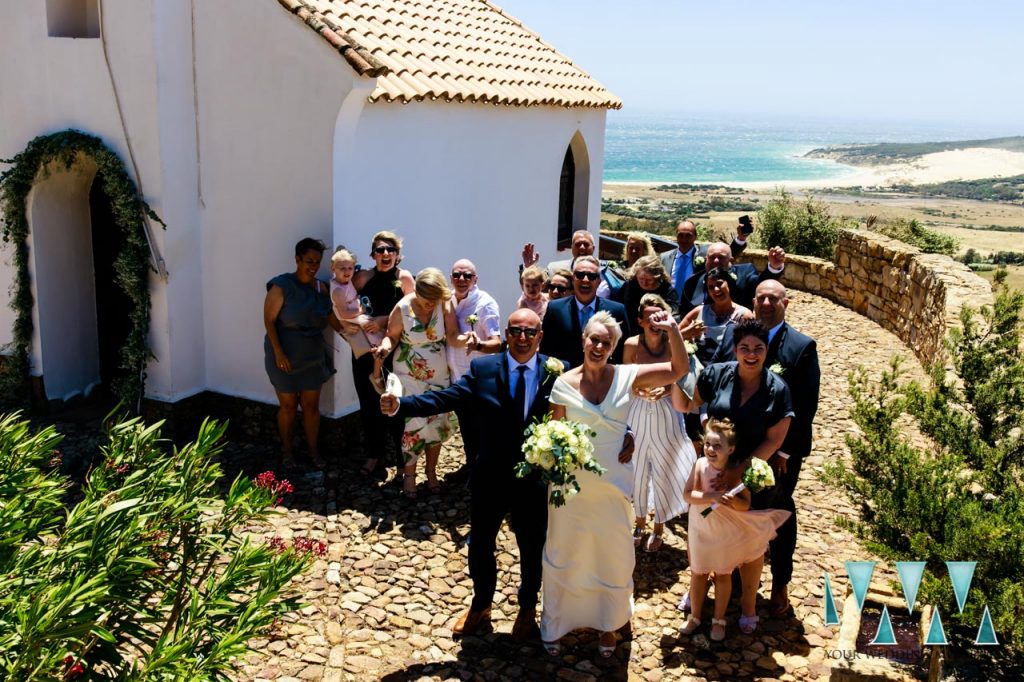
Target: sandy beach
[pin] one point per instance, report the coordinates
(960, 164)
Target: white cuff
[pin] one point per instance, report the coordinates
(774, 271)
(741, 242)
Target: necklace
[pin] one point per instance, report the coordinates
(643, 342)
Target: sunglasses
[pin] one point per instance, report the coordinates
(463, 275)
(381, 250)
(556, 287)
(580, 275)
(522, 331)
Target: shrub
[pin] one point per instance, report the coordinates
(804, 227)
(963, 499)
(914, 233)
(149, 575)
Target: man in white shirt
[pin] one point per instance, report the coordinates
(477, 315)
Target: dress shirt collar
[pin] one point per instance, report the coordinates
(513, 364)
(774, 330)
(583, 306)
(686, 253)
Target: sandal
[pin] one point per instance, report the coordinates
(654, 542)
(691, 625)
(638, 536)
(288, 462)
(434, 488)
(718, 629)
(318, 461)
(552, 648)
(409, 493)
(607, 650)
(748, 624)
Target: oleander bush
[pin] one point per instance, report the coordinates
(962, 499)
(804, 227)
(145, 572)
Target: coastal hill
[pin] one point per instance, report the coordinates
(886, 153)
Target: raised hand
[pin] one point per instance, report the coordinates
(388, 404)
(530, 256)
(777, 257)
(662, 321)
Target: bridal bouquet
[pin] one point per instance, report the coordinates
(757, 477)
(556, 449)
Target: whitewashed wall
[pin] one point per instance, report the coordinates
(270, 90)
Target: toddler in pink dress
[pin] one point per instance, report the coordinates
(347, 306)
(532, 281)
(728, 537)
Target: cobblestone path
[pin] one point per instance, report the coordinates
(382, 603)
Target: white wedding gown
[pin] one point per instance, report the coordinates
(588, 555)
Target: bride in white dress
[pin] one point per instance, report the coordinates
(588, 555)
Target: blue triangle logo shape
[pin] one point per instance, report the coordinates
(910, 573)
(986, 633)
(936, 633)
(831, 613)
(961, 573)
(884, 635)
(860, 573)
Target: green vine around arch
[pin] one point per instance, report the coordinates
(131, 264)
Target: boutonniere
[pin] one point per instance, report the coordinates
(777, 368)
(698, 261)
(732, 276)
(691, 347)
(472, 319)
(554, 366)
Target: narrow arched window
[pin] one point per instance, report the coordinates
(566, 199)
(72, 19)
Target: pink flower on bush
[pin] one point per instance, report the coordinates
(277, 544)
(268, 481)
(310, 546)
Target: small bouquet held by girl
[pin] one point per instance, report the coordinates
(556, 449)
(758, 476)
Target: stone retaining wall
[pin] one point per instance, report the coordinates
(917, 296)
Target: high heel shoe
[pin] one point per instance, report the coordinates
(606, 650)
(408, 493)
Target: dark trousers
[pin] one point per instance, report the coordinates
(784, 545)
(525, 503)
(382, 436)
(469, 431)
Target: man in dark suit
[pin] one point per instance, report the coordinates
(505, 392)
(566, 317)
(683, 262)
(795, 358)
(720, 255)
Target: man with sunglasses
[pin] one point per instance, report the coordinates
(505, 393)
(477, 315)
(582, 245)
(566, 317)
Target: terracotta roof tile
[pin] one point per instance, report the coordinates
(454, 50)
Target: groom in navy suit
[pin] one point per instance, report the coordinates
(505, 393)
(795, 357)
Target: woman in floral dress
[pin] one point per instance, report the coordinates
(420, 327)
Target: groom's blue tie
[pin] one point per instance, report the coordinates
(520, 394)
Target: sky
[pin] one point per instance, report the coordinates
(944, 60)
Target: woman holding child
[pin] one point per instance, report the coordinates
(380, 288)
(757, 403)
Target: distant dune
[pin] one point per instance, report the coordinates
(886, 153)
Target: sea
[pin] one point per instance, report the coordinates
(711, 148)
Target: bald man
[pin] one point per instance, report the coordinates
(720, 255)
(796, 356)
(505, 392)
(688, 258)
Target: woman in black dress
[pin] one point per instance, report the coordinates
(380, 289)
(298, 361)
(758, 403)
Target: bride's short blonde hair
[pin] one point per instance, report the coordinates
(605, 319)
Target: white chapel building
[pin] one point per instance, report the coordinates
(250, 124)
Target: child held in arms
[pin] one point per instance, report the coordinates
(725, 536)
(532, 281)
(347, 306)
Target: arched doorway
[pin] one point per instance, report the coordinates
(573, 190)
(49, 206)
(80, 313)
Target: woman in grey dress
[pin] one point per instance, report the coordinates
(297, 359)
